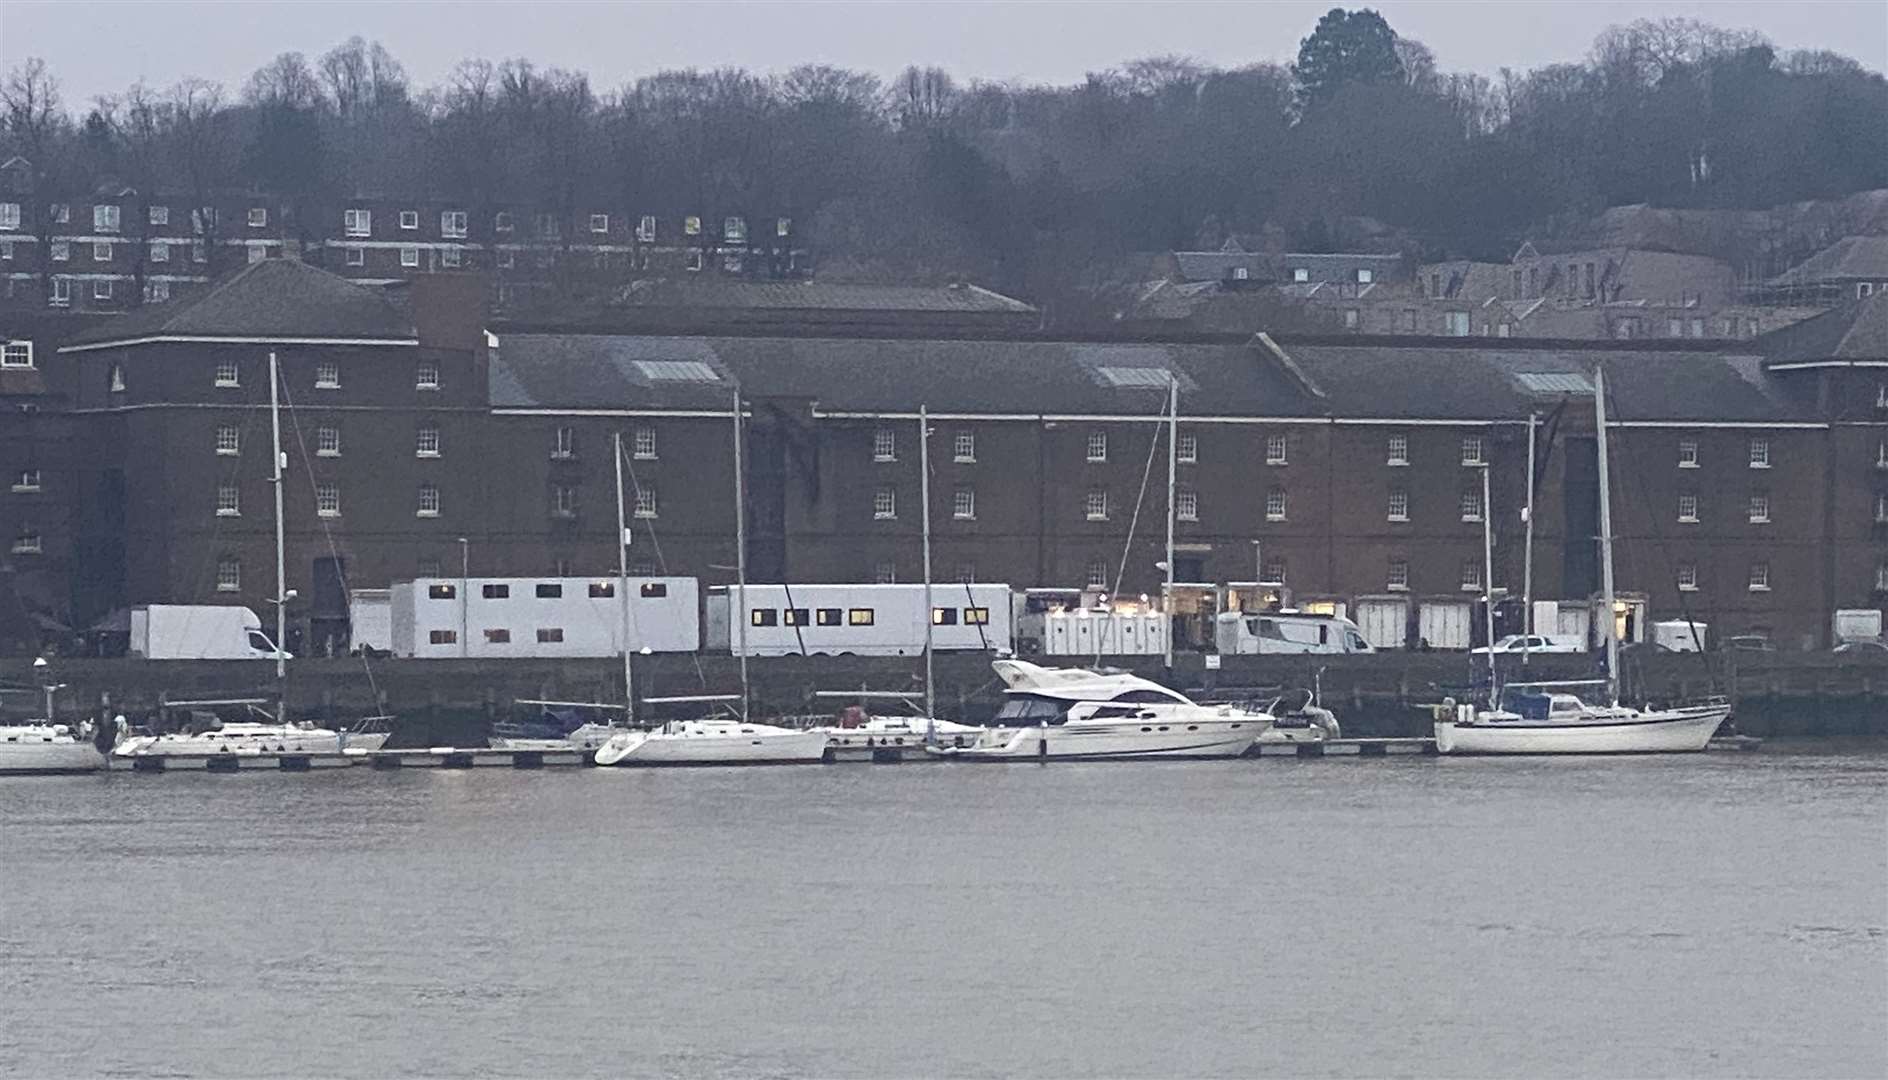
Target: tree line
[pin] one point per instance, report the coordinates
(1034, 189)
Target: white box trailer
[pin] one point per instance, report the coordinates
(199, 632)
(370, 619)
(863, 620)
(1857, 624)
(1105, 633)
(1237, 633)
(1445, 623)
(542, 617)
(1680, 635)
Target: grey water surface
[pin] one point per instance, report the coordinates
(1719, 914)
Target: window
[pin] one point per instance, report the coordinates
(1186, 505)
(943, 616)
(1881, 577)
(860, 616)
(229, 501)
(101, 290)
(10, 215)
(17, 354)
(1674, 328)
(964, 447)
(228, 373)
(1275, 449)
(1097, 576)
(356, 255)
(199, 252)
(1688, 453)
(885, 445)
(1399, 450)
(409, 256)
(599, 223)
(26, 480)
(1687, 577)
(229, 441)
(1398, 578)
(1471, 574)
(1696, 328)
(1760, 577)
(1187, 450)
(443, 637)
(1351, 318)
(1365, 277)
(1759, 509)
(6, 249)
(28, 542)
(430, 568)
(549, 227)
(885, 503)
(1409, 320)
(564, 444)
(429, 501)
(1760, 453)
(1273, 572)
(827, 616)
(409, 219)
(964, 504)
(1688, 508)
(650, 590)
(1275, 505)
(258, 217)
(734, 230)
(498, 636)
(357, 222)
(101, 250)
(501, 221)
(1471, 506)
(1455, 323)
(693, 261)
(426, 442)
(1399, 506)
(327, 375)
(156, 292)
(61, 292)
(602, 590)
(426, 377)
(105, 219)
(646, 229)
(116, 380)
(449, 257)
(452, 223)
(61, 213)
(160, 251)
(550, 635)
(328, 500)
(229, 574)
(328, 442)
(563, 501)
(645, 501)
(507, 258)
(1472, 450)
(1095, 505)
(61, 251)
(885, 573)
(202, 216)
(1097, 446)
(1300, 273)
(1881, 509)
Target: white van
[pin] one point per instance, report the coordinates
(1237, 633)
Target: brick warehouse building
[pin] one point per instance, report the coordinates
(1750, 489)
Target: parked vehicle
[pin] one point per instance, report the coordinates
(862, 620)
(199, 632)
(1858, 624)
(541, 617)
(1868, 646)
(1748, 643)
(1239, 633)
(1679, 635)
(1533, 643)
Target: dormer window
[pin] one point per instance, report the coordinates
(1365, 277)
(1300, 273)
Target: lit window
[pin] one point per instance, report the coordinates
(864, 616)
(885, 503)
(1398, 579)
(116, 380)
(1098, 446)
(427, 377)
(328, 442)
(885, 445)
(357, 222)
(1300, 273)
(1688, 507)
(409, 219)
(1471, 506)
(1365, 277)
(1688, 453)
(599, 223)
(1095, 505)
(409, 256)
(645, 501)
(1399, 506)
(229, 574)
(105, 219)
(1471, 574)
(1399, 450)
(691, 225)
(1760, 453)
(1275, 506)
(783, 226)
(16, 354)
(1687, 577)
(160, 251)
(328, 500)
(1275, 449)
(229, 501)
(1472, 450)
(498, 636)
(1759, 509)
(229, 440)
(258, 217)
(426, 442)
(1186, 505)
(1455, 323)
(429, 500)
(1097, 576)
(564, 443)
(327, 375)
(964, 447)
(228, 374)
(1187, 450)
(1760, 577)
(964, 504)
(452, 223)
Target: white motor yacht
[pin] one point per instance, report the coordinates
(714, 742)
(1550, 718)
(1079, 714)
(40, 746)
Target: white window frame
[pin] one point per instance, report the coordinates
(28, 543)
(409, 257)
(357, 222)
(885, 504)
(428, 500)
(1186, 505)
(17, 354)
(1095, 504)
(258, 217)
(160, 251)
(61, 292)
(1096, 576)
(1881, 509)
(327, 441)
(229, 440)
(426, 376)
(156, 291)
(1759, 508)
(1097, 447)
(449, 257)
(1687, 453)
(1277, 447)
(102, 250)
(964, 447)
(426, 442)
(101, 290)
(646, 229)
(643, 443)
(9, 216)
(1187, 451)
(1276, 504)
(228, 373)
(1474, 451)
(229, 500)
(964, 504)
(1472, 508)
(409, 219)
(1471, 575)
(328, 500)
(60, 251)
(1398, 451)
(356, 255)
(1687, 577)
(1760, 453)
(327, 375)
(564, 500)
(502, 222)
(61, 213)
(452, 224)
(229, 574)
(563, 444)
(27, 481)
(600, 223)
(1688, 508)
(1759, 580)
(1397, 580)
(1399, 506)
(885, 445)
(106, 218)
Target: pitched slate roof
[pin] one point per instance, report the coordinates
(1852, 258)
(817, 295)
(275, 298)
(1854, 331)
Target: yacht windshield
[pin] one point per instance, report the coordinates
(1022, 710)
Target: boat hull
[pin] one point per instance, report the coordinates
(49, 758)
(1671, 732)
(1113, 742)
(656, 748)
(200, 745)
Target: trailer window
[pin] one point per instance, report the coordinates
(653, 589)
(796, 616)
(861, 616)
(976, 616)
(443, 637)
(602, 589)
(496, 592)
(828, 616)
(498, 637)
(550, 635)
(441, 592)
(764, 616)
(549, 590)
(943, 616)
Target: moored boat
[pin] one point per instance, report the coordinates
(43, 747)
(1545, 718)
(714, 742)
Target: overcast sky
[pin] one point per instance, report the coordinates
(101, 47)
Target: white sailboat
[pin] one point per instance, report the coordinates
(44, 746)
(709, 741)
(1553, 718)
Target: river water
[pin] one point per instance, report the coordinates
(1719, 914)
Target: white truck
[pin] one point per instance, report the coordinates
(539, 618)
(1238, 633)
(1857, 624)
(1679, 635)
(862, 620)
(199, 632)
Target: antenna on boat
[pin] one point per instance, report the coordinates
(924, 501)
(1608, 619)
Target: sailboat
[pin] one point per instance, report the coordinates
(45, 746)
(712, 740)
(1554, 718)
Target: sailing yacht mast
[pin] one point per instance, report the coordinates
(1488, 583)
(1527, 547)
(1173, 460)
(740, 551)
(622, 587)
(278, 460)
(1607, 617)
(924, 500)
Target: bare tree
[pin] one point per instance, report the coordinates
(203, 145)
(287, 81)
